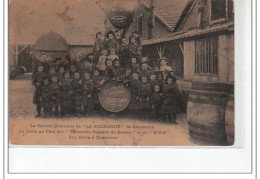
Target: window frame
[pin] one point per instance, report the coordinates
(137, 25)
(221, 19)
(198, 64)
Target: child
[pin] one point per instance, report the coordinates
(138, 39)
(90, 56)
(127, 76)
(37, 82)
(135, 67)
(87, 66)
(102, 62)
(118, 39)
(77, 91)
(110, 73)
(55, 96)
(164, 78)
(134, 87)
(113, 55)
(163, 65)
(61, 71)
(171, 93)
(110, 43)
(123, 53)
(133, 47)
(97, 81)
(144, 93)
(52, 71)
(119, 70)
(153, 80)
(99, 45)
(156, 101)
(87, 95)
(66, 91)
(73, 69)
(45, 92)
(146, 69)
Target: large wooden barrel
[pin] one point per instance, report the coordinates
(206, 112)
(114, 97)
(229, 118)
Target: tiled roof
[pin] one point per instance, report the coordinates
(168, 11)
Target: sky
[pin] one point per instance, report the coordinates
(76, 20)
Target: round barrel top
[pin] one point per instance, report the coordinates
(210, 86)
(114, 97)
(50, 41)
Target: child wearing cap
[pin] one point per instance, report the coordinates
(37, 82)
(156, 102)
(171, 93)
(144, 94)
(163, 65)
(77, 91)
(145, 69)
(110, 43)
(99, 45)
(55, 96)
(123, 53)
(66, 92)
(45, 95)
(153, 80)
(134, 89)
(87, 93)
(133, 47)
(137, 37)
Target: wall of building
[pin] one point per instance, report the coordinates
(80, 51)
(159, 29)
(225, 60)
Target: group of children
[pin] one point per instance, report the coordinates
(65, 88)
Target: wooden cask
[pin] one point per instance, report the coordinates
(206, 112)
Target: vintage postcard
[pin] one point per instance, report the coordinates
(121, 72)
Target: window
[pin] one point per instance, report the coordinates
(218, 10)
(206, 56)
(140, 26)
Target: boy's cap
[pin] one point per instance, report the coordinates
(134, 32)
(98, 34)
(164, 58)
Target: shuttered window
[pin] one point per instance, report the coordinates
(206, 58)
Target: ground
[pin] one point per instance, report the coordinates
(26, 129)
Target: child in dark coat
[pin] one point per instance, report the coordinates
(171, 93)
(55, 96)
(87, 93)
(134, 90)
(99, 45)
(97, 82)
(111, 42)
(110, 73)
(66, 92)
(156, 102)
(134, 48)
(77, 93)
(144, 94)
(45, 96)
(37, 82)
(123, 53)
(135, 67)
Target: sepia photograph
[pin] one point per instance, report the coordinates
(121, 72)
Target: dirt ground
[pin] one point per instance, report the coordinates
(25, 129)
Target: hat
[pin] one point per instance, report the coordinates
(131, 37)
(98, 34)
(134, 32)
(164, 58)
(110, 32)
(171, 77)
